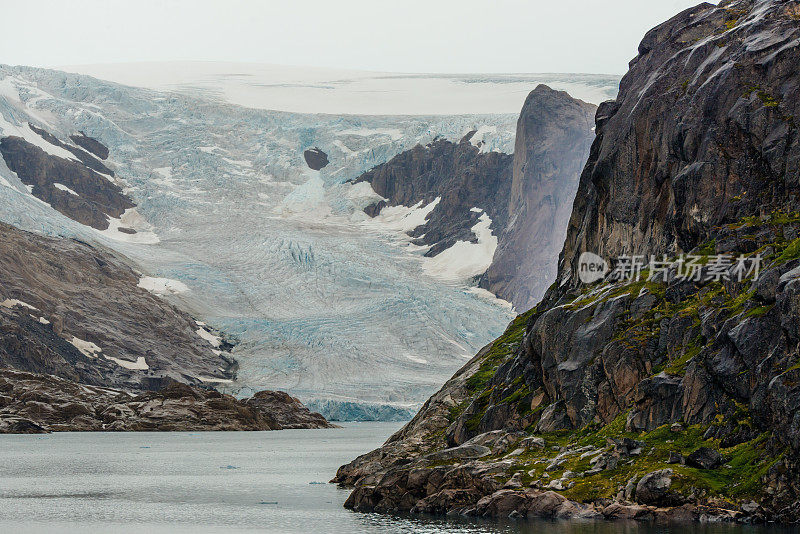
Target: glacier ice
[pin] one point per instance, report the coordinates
(326, 304)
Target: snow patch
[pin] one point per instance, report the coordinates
(404, 218)
(215, 341)
(362, 194)
(10, 303)
(487, 295)
(214, 380)
(162, 286)
(481, 138)
(63, 187)
(89, 349)
(130, 219)
(465, 260)
(139, 365)
(306, 197)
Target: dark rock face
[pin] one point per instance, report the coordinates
(84, 157)
(70, 289)
(554, 133)
(34, 403)
(528, 196)
(315, 158)
(703, 133)
(704, 458)
(84, 195)
(703, 369)
(459, 174)
(91, 144)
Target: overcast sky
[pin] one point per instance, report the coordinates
(400, 36)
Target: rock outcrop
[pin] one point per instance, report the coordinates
(554, 133)
(527, 196)
(702, 134)
(315, 158)
(91, 144)
(34, 403)
(75, 310)
(286, 411)
(459, 174)
(668, 397)
(73, 186)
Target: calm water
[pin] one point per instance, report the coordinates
(220, 482)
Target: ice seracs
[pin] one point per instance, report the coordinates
(279, 256)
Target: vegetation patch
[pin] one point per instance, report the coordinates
(738, 479)
(504, 347)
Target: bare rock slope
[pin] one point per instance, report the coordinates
(75, 310)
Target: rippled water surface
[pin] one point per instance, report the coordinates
(221, 482)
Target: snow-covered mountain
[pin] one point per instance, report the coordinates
(326, 302)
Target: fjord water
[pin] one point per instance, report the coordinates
(221, 482)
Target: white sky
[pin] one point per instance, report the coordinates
(442, 36)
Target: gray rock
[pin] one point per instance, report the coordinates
(461, 452)
(630, 489)
(514, 482)
(675, 458)
(654, 488)
(145, 328)
(97, 197)
(63, 405)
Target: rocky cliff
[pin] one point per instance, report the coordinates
(554, 133)
(666, 397)
(527, 196)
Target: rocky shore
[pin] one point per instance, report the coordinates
(34, 403)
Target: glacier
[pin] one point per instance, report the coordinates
(325, 303)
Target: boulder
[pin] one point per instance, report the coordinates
(654, 488)
(704, 458)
